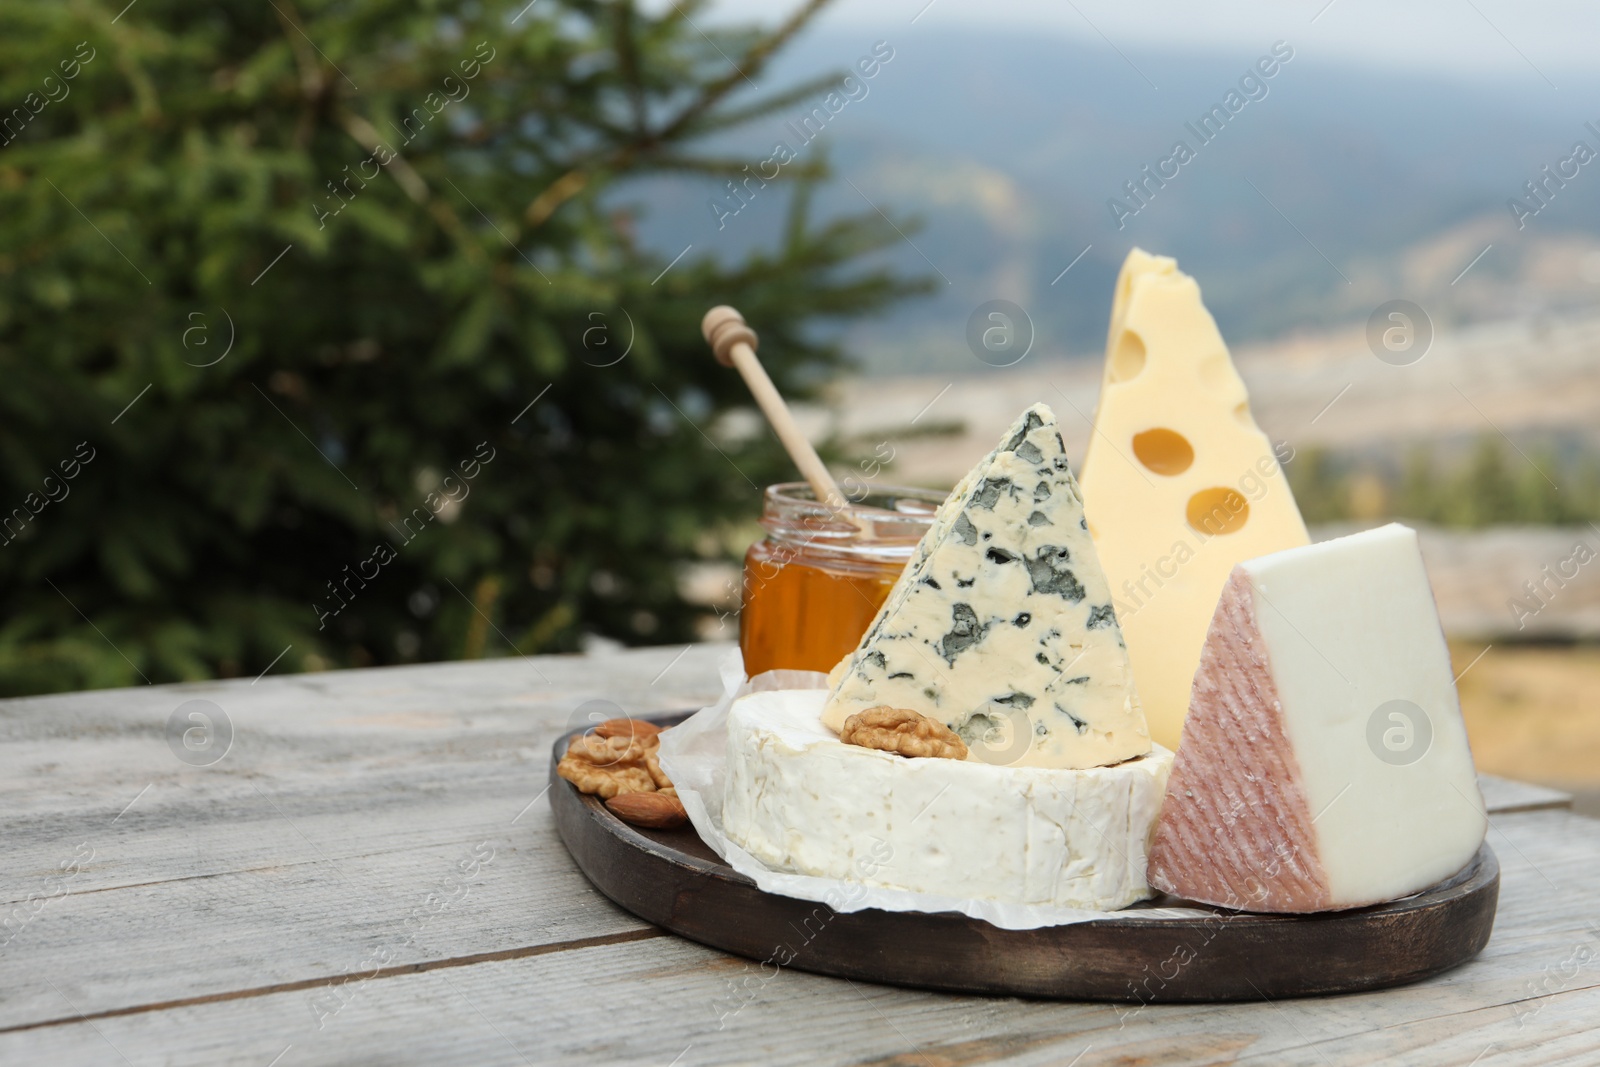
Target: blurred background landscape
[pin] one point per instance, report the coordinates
(1372, 170)
(593, 194)
(1008, 145)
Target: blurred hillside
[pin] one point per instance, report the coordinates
(1536, 381)
(1490, 443)
(1009, 146)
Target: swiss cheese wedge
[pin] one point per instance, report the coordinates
(1179, 484)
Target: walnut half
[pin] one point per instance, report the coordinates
(612, 766)
(900, 730)
(619, 763)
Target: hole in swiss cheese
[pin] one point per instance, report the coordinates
(1163, 451)
(1127, 361)
(1218, 511)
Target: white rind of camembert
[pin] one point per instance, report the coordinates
(800, 800)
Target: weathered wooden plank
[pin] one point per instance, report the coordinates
(344, 802)
(95, 769)
(664, 1001)
(1555, 1030)
(350, 798)
(500, 889)
(1508, 795)
(247, 933)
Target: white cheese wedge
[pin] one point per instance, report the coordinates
(1001, 626)
(801, 800)
(1324, 762)
(1178, 482)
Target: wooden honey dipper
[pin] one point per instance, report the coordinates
(734, 344)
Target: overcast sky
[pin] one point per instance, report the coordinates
(1540, 40)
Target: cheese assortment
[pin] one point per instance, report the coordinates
(1179, 483)
(986, 734)
(1001, 626)
(1324, 763)
(799, 800)
(987, 739)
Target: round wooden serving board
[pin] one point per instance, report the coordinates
(672, 879)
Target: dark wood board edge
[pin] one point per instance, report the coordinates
(1229, 956)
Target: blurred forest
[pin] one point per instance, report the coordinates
(326, 340)
(1493, 484)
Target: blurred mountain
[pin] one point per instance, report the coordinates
(1332, 191)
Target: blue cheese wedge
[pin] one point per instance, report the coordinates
(1001, 626)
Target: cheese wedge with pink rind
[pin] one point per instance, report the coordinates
(1324, 763)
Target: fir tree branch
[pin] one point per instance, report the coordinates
(751, 63)
(367, 136)
(312, 81)
(626, 155)
(628, 64)
(729, 168)
(761, 108)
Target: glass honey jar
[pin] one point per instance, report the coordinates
(813, 585)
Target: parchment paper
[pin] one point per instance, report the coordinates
(694, 755)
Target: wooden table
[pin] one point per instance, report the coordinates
(370, 875)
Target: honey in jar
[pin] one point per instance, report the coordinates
(813, 585)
